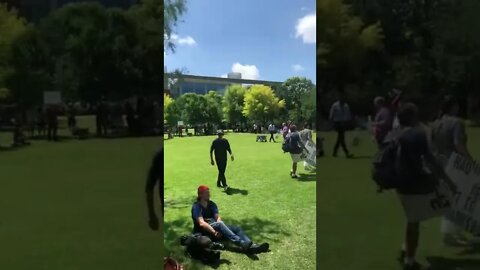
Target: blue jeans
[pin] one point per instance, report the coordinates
(232, 233)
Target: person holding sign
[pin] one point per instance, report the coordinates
(295, 147)
(221, 146)
(449, 136)
(414, 180)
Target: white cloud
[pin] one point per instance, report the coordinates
(303, 9)
(224, 76)
(187, 40)
(297, 68)
(306, 28)
(248, 71)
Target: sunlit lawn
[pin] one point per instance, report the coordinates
(267, 203)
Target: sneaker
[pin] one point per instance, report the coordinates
(219, 184)
(255, 248)
(225, 188)
(246, 245)
(293, 175)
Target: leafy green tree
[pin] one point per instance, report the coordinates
(233, 103)
(192, 108)
(11, 27)
(213, 110)
(167, 102)
(29, 61)
(261, 104)
(173, 10)
(345, 45)
(293, 91)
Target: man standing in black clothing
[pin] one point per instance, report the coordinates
(341, 116)
(155, 175)
(221, 146)
(52, 123)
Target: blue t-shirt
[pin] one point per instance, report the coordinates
(208, 213)
(414, 146)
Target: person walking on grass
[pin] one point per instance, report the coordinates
(207, 221)
(341, 116)
(221, 146)
(272, 129)
(382, 124)
(414, 180)
(296, 148)
(155, 175)
(449, 136)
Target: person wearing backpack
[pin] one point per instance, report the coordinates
(412, 150)
(449, 136)
(293, 145)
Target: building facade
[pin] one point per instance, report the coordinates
(203, 84)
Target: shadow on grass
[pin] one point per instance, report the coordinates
(233, 191)
(361, 157)
(180, 203)
(442, 263)
(10, 148)
(307, 177)
(260, 230)
(471, 250)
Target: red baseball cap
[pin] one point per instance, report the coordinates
(202, 188)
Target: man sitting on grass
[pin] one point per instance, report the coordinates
(207, 221)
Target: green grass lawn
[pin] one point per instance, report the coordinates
(359, 229)
(277, 209)
(77, 205)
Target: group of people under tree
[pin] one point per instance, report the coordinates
(397, 124)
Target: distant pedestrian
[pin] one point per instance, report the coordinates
(52, 123)
(285, 130)
(382, 124)
(272, 129)
(341, 116)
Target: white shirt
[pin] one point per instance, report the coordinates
(340, 113)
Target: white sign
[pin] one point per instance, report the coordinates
(422, 207)
(180, 123)
(299, 157)
(310, 157)
(466, 202)
(312, 153)
(52, 98)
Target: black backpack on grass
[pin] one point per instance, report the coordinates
(201, 248)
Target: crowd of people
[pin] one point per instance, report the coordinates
(111, 118)
(421, 155)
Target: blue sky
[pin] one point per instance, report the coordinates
(262, 39)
